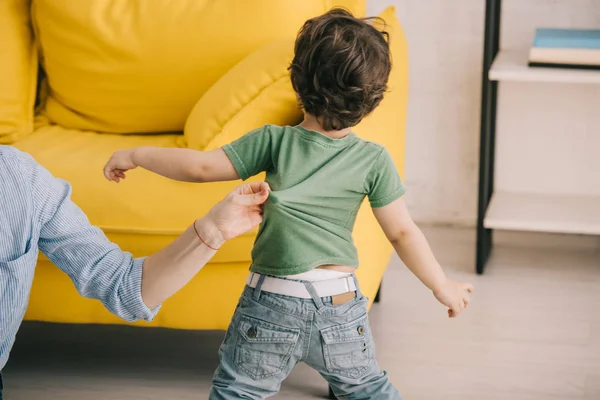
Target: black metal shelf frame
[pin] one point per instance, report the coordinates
(489, 95)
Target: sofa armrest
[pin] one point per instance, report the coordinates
(254, 92)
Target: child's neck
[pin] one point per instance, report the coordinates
(312, 123)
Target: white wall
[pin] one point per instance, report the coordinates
(445, 46)
(445, 51)
(548, 134)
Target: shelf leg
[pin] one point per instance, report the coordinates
(378, 295)
(489, 93)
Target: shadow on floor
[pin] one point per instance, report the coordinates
(114, 349)
(68, 361)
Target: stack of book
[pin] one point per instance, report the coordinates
(566, 48)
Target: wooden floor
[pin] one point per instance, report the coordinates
(532, 332)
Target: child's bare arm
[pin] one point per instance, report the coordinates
(412, 247)
(179, 164)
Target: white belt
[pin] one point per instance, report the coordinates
(291, 288)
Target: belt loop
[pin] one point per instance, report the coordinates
(315, 296)
(359, 294)
(257, 288)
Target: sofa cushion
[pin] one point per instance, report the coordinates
(139, 66)
(145, 212)
(255, 92)
(387, 124)
(18, 70)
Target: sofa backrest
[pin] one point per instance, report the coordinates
(139, 66)
(18, 70)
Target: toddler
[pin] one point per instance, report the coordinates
(302, 301)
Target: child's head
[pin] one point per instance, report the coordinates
(340, 68)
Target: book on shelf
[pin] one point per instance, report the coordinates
(566, 48)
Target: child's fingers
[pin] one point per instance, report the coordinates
(107, 172)
(456, 309)
(115, 177)
(469, 287)
(110, 173)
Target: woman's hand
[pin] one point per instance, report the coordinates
(119, 163)
(454, 295)
(236, 214)
(171, 268)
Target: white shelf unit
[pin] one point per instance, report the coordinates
(512, 65)
(544, 213)
(552, 213)
(539, 162)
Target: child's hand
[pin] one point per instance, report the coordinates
(454, 295)
(119, 163)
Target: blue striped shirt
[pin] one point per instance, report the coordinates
(36, 213)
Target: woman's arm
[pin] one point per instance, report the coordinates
(132, 288)
(167, 271)
(179, 164)
(412, 247)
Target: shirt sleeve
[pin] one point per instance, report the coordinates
(383, 182)
(251, 154)
(97, 267)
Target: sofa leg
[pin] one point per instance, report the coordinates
(378, 295)
(331, 394)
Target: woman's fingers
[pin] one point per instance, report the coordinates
(256, 209)
(253, 187)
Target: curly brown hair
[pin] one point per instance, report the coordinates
(340, 68)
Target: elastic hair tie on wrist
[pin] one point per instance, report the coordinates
(202, 240)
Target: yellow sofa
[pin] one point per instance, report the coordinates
(195, 73)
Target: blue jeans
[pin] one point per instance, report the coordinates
(270, 333)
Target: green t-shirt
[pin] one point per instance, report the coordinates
(318, 184)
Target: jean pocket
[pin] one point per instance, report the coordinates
(263, 348)
(348, 349)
